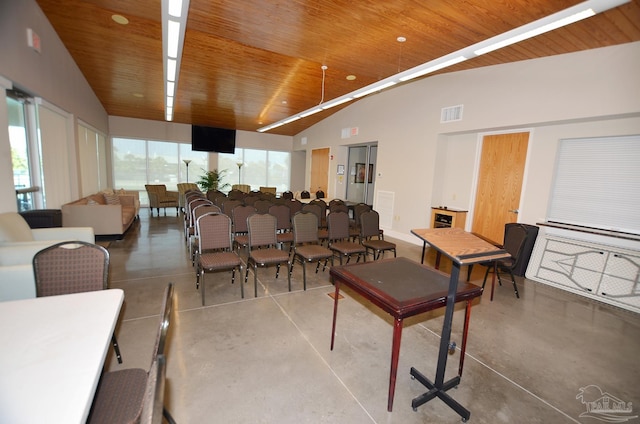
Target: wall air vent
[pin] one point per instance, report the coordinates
(451, 114)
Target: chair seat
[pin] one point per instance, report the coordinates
(347, 247)
(285, 237)
(219, 260)
(269, 256)
(241, 239)
(119, 397)
(378, 244)
(313, 252)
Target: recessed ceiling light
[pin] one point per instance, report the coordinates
(138, 95)
(351, 77)
(120, 19)
(284, 102)
(401, 39)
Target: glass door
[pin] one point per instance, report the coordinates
(362, 173)
(27, 195)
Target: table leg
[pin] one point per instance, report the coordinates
(463, 348)
(335, 311)
(395, 354)
(493, 278)
(424, 248)
(438, 255)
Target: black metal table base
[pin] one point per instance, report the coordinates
(438, 392)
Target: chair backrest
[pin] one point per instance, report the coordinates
(153, 401)
(227, 207)
(200, 210)
(314, 209)
(283, 216)
(236, 194)
(305, 228)
(358, 210)
(159, 189)
(165, 320)
(334, 202)
(515, 237)
(70, 267)
(250, 199)
(239, 216)
(214, 232)
(369, 224)
(305, 194)
(321, 203)
(338, 224)
(262, 230)
(339, 207)
(195, 203)
(219, 201)
(287, 195)
(263, 205)
(295, 205)
(214, 194)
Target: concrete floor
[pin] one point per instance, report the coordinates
(267, 359)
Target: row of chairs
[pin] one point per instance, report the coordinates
(218, 249)
(131, 395)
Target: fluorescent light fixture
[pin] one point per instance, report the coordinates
(549, 23)
(293, 118)
(429, 67)
(374, 88)
(175, 8)
(334, 103)
(310, 112)
(171, 69)
(173, 38)
(174, 23)
(536, 31)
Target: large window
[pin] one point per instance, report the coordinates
(596, 184)
(259, 168)
(139, 162)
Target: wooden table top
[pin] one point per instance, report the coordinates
(400, 286)
(460, 246)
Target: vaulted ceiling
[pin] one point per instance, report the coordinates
(249, 63)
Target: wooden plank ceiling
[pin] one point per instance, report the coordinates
(253, 62)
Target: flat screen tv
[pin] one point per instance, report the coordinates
(210, 139)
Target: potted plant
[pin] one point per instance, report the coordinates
(212, 180)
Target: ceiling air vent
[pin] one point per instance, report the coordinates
(450, 114)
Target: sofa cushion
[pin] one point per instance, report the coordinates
(98, 198)
(112, 199)
(13, 228)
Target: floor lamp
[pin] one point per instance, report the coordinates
(239, 169)
(187, 162)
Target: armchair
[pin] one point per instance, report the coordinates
(18, 245)
(182, 189)
(159, 197)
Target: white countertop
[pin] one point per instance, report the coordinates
(52, 354)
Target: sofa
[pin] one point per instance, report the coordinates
(109, 213)
(19, 243)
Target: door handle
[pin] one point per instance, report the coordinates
(516, 211)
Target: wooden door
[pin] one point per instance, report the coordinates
(319, 170)
(499, 184)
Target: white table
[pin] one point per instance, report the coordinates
(52, 353)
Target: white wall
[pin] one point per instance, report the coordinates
(426, 163)
(51, 75)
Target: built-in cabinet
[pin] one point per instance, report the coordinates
(600, 271)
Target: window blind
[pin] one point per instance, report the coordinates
(597, 184)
